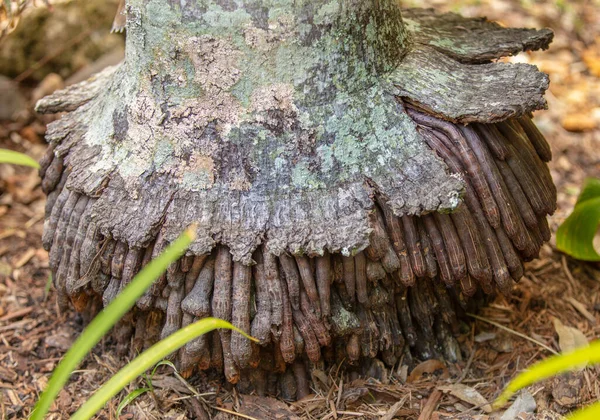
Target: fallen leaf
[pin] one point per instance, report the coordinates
(467, 394)
(523, 404)
(429, 366)
(569, 338)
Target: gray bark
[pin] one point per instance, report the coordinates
(277, 123)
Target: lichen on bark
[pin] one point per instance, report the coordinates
(273, 122)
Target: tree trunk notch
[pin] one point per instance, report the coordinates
(322, 143)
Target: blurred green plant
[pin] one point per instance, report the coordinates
(575, 236)
(129, 398)
(102, 323)
(553, 366)
(146, 360)
(16, 158)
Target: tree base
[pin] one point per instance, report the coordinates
(403, 297)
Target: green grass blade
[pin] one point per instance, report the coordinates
(589, 413)
(16, 158)
(109, 317)
(550, 367)
(130, 398)
(146, 360)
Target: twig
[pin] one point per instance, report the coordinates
(233, 413)
(518, 334)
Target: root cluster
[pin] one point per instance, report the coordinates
(401, 297)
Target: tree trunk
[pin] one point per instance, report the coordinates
(332, 130)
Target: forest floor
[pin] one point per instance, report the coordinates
(556, 296)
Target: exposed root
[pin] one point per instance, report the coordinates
(401, 297)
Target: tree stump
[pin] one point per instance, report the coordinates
(358, 173)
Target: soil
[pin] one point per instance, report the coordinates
(34, 334)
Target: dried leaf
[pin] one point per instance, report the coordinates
(569, 338)
(467, 394)
(429, 367)
(523, 404)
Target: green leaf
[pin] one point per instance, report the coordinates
(589, 413)
(130, 398)
(550, 367)
(591, 190)
(148, 359)
(109, 317)
(576, 235)
(163, 363)
(16, 158)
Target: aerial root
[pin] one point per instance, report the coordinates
(399, 298)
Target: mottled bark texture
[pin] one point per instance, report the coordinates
(324, 144)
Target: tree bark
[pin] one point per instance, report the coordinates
(291, 133)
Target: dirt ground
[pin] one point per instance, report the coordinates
(557, 294)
